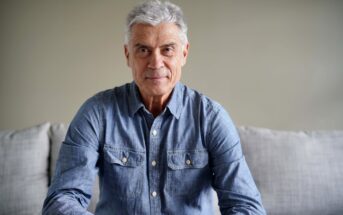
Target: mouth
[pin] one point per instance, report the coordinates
(156, 78)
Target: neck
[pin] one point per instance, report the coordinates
(155, 104)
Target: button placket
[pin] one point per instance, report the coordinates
(154, 174)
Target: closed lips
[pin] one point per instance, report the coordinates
(155, 77)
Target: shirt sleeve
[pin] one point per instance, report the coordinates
(232, 180)
(71, 188)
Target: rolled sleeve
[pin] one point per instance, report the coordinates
(232, 180)
(71, 188)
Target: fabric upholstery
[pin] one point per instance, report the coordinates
(57, 134)
(296, 172)
(23, 169)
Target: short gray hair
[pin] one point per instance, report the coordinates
(156, 12)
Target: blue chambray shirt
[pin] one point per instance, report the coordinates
(146, 165)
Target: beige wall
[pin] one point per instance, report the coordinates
(276, 64)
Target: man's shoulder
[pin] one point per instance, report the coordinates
(107, 97)
(198, 99)
(111, 94)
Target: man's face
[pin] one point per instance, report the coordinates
(156, 55)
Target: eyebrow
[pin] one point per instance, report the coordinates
(169, 44)
(139, 45)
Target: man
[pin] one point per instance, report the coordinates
(158, 146)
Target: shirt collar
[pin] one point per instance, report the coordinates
(174, 105)
(134, 99)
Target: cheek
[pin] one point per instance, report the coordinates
(174, 65)
(177, 69)
(138, 69)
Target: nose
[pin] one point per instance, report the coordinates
(155, 61)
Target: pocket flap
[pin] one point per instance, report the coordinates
(123, 157)
(187, 159)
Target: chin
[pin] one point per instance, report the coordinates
(159, 91)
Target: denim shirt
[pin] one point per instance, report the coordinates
(167, 164)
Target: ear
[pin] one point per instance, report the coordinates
(185, 53)
(126, 52)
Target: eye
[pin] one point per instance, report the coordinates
(142, 51)
(168, 51)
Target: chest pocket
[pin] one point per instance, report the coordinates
(124, 171)
(188, 172)
(124, 157)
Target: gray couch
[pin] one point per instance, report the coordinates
(296, 172)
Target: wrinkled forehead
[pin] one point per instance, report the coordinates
(152, 34)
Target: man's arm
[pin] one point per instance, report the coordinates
(232, 180)
(71, 188)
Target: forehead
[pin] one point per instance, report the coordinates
(155, 35)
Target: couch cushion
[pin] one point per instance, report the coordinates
(23, 169)
(57, 135)
(296, 172)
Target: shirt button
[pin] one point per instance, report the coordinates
(124, 159)
(154, 194)
(188, 162)
(154, 132)
(153, 163)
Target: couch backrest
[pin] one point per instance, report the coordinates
(296, 172)
(24, 158)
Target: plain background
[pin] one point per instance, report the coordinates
(270, 63)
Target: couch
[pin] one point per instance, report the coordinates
(296, 172)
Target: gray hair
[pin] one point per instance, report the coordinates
(156, 12)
